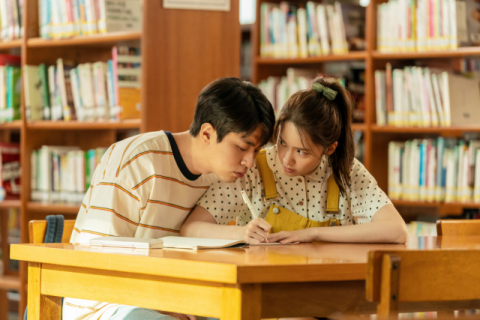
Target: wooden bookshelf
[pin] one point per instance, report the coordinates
(5, 204)
(76, 125)
(182, 51)
(441, 131)
(53, 208)
(355, 55)
(13, 44)
(108, 39)
(10, 282)
(376, 138)
(458, 53)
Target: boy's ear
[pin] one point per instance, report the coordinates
(331, 148)
(207, 133)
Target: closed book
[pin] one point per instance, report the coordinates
(33, 93)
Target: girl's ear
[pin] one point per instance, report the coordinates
(331, 148)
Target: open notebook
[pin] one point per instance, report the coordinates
(170, 243)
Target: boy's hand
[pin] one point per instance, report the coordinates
(305, 235)
(256, 231)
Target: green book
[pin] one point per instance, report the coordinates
(43, 75)
(14, 86)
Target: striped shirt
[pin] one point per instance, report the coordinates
(141, 188)
(304, 195)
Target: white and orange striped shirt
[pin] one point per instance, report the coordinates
(141, 188)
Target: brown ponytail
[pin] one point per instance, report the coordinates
(325, 121)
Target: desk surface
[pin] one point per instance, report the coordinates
(286, 263)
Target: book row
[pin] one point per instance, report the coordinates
(68, 18)
(288, 30)
(85, 92)
(62, 174)
(442, 169)
(11, 13)
(424, 97)
(427, 25)
(279, 89)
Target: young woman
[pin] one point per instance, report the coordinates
(317, 181)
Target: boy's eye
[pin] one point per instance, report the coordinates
(242, 148)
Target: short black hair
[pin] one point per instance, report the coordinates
(233, 105)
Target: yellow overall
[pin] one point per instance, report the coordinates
(282, 219)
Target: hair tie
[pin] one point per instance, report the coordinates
(327, 92)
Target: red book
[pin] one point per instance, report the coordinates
(11, 60)
(10, 169)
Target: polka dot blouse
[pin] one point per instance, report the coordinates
(304, 195)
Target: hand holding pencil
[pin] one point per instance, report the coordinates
(257, 229)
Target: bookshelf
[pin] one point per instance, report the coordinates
(376, 138)
(182, 51)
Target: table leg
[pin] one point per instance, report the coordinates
(40, 307)
(242, 302)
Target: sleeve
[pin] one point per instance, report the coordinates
(110, 208)
(365, 194)
(224, 200)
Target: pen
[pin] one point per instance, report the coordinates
(249, 204)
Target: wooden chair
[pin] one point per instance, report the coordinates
(458, 227)
(37, 229)
(423, 281)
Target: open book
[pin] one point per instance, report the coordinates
(171, 243)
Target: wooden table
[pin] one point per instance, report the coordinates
(314, 279)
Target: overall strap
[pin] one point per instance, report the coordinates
(333, 195)
(267, 176)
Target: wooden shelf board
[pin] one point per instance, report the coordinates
(460, 52)
(420, 130)
(10, 282)
(359, 127)
(101, 39)
(53, 207)
(17, 43)
(356, 55)
(10, 204)
(442, 205)
(16, 124)
(76, 125)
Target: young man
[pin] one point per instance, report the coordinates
(145, 186)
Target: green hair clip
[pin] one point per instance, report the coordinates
(327, 92)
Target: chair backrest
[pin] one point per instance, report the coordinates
(458, 227)
(421, 276)
(37, 229)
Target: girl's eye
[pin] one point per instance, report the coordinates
(302, 152)
(282, 143)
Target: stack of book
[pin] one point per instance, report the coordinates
(442, 169)
(85, 92)
(68, 18)
(423, 97)
(11, 13)
(10, 171)
(62, 174)
(288, 30)
(10, 86)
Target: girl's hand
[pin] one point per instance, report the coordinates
(256, 231)
(305, 235)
